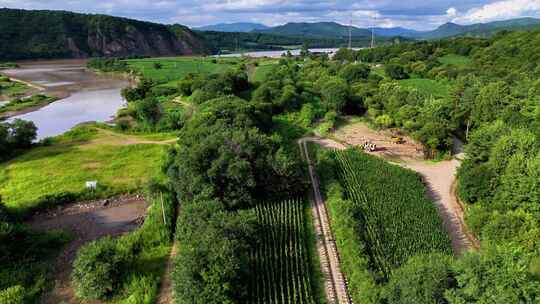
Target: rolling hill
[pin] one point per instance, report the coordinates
(479, 30)
(319, 29)
(336, 30)
(238, 27)
(44, 34)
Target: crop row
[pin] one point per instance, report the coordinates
(281, 266)
(393, 211)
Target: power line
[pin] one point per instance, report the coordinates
(350, 31)
(373, 33)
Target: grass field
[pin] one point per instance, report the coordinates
(456, 60)
(263, 70)
(427, 86)
(10, 89)
(175, 68)
(379, 71)
(118, 162)
(25, 103)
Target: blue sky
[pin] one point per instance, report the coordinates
(417, 14)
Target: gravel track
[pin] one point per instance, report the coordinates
(335, 283)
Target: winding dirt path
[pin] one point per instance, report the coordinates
(120, 139)
(335, 283)
(166, 292)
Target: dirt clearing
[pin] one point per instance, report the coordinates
(358, 133)
(87, 221)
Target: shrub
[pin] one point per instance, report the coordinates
(12, 295)
(408, 284)
(335, 93)
(355, 72)
(396, 71)
(97, 269)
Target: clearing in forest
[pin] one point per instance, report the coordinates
(356, 133)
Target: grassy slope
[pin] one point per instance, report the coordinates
(427, 86)
(79, 156)
(457, 60)
(263, 70)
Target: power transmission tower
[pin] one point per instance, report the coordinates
(350, 32)
(373, 34)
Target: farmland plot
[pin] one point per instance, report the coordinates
(397, 218)
(282, 271)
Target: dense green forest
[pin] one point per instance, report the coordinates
(28, 34)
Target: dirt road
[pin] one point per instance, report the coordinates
(440, 179)
(335, 284)
(119, 139)
(166, 295)
(86, 221)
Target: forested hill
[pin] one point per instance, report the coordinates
(318, 29)
(28, 34)
(479, 30)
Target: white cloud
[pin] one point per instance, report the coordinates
(501, 10)
(241, 5)
(451, 12)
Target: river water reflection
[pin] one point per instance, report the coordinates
(86, 96)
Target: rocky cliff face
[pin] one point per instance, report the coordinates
(52, 34)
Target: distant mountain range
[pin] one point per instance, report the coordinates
(481, 30)
(239, 27)
(336, 30)
(319, 29)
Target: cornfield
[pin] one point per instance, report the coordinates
(281, 264)
(397, 218)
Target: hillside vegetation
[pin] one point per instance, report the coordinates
(56, 34)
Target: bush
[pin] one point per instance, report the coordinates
(396, 72)
(355, 72)
(409, 285)
(335, 92)
(12, 295)
(97, 270)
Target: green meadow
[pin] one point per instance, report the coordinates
(119, 162)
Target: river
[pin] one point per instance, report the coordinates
(85, 96)
(276, 54)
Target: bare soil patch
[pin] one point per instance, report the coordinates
(358, 133)
(87, 221)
